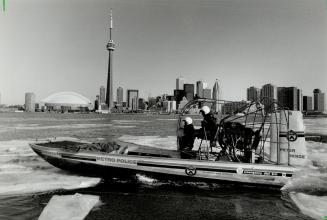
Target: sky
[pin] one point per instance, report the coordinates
(49, 46)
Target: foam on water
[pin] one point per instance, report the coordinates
(313, 206)
(308, 187)
(69, 207)
(22, 171)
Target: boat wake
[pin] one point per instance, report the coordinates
(308, 187)
(22, 171)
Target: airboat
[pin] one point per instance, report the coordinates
(257, 142)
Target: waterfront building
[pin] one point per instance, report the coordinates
(268, 94)
(141, 104)
(318, 100)
(230, 107)
(169, 106)
(252, 94)
(152, 102)
(120, 96)
(132, 99)
(182, 103)
(97, 103)
(207, 93)
(29, 102)
(300, 100)
(102, 98)
(216, 95)
(189, 91)
(288, 97)
(68, 101)
(200, 86)
(307, 103)
(110, 48)
(180, 83)
(179, 94)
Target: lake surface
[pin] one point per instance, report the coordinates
(27, 183)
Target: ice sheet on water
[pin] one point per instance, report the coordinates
(22, 171)
(168, 142)
(62, 126)
(69, 207)
(313, 206)
(316, 126)
(128, 121)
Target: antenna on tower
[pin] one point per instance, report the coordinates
(111, 24)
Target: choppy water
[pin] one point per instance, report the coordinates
(27, 183)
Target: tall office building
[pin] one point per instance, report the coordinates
(318, 100)
(300, 100)
(132, 99)
(180, 83)
(200, 86)
(288, 97)
(29, 102)
(102, 98)
(307, 103)
(268, 94)
(207, 93)
(96, 103)
(120, 96)
(189, 91)
(110, 48)
(253, 94)
(179, 94)
(217, 95)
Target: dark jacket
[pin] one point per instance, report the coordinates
(208, 127)
(188, 138)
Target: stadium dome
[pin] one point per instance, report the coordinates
(67, 99)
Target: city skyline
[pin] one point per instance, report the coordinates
(243, 43)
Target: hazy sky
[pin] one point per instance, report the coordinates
(48, 46)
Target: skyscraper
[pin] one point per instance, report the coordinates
(207, 93)
(110, 48)
(216, 95)
(29, 102)
(252, 94)
(299, 100)
(268, 93)
(102, 99)
(189, 91)
(120, 95)
(132, 99)
(180, 83)
(288, 97)
(200, 85)
(307, 103)
(318, 100)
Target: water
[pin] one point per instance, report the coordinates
(27, 183)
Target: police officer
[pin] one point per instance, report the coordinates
(208, 124)
(187, 139)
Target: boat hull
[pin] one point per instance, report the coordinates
(108, 165)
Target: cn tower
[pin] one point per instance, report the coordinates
(110, 48)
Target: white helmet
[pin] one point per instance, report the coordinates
(188, 120)
(205, 109)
